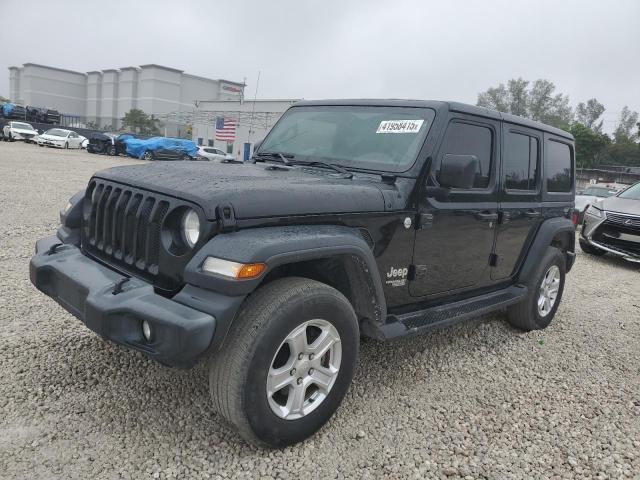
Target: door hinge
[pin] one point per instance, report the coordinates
(424, 220)
(504, 217)
(419, 272)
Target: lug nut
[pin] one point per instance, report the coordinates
(299, 380)
(293, 372)
(300, 355)
(311, 356)
(311, 370)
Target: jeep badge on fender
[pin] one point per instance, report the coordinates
(355, 217)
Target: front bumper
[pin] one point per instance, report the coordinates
(86, 288)
(49, 143)
(601, 232)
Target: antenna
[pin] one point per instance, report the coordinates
(253, 108)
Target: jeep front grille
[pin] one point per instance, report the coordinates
(122, 226)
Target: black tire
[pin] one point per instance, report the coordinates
(11, 139)
(590, 249)
(525, 315)
(238, 372)
(66, 145)
(148, 156)
(112, 151)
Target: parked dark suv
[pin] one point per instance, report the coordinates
(376, 218)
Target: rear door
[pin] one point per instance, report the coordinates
(519, 207)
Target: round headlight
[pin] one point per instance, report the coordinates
(191, 228)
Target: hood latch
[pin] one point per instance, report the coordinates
(226, 217)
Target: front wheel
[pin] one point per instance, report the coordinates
(287, 362)
(66, 146)
(112, 151)
(148, 156)
(545, 292)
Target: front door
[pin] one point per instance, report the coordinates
(455, 235)
(519, 198)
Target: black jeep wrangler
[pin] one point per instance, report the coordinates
(355, 218)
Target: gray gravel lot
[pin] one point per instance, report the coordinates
(479, 400)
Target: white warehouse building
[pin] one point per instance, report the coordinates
(105, 96)
(249, 119)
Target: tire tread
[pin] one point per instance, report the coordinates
(229, 367)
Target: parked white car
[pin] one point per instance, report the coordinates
(215, 154)
(60, 138)
(592, 194)
(19, 131)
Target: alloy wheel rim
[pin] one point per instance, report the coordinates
(549, 290)
(304, 369)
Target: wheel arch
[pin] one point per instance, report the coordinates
(335, 255)
(555, 232)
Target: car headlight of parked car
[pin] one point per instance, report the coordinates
(594, 211)
(191, 227)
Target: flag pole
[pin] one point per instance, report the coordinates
(253, 108)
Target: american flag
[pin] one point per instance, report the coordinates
(225, 129)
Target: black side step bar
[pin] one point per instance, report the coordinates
(444, 315)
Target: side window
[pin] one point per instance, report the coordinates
(200, 141)
(558, 168)
(521, 162)
(468, 139)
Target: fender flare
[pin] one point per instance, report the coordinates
(547, 231)
(276, 246)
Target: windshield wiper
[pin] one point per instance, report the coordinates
(283, 157)
(318, 163)
(287, 159)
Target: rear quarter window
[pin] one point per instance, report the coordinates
(558, 167)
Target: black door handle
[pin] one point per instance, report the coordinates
(532, 214)
(487, 216)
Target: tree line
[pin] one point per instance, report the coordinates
(539, 101)
(135, 120)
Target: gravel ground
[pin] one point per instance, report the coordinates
(479, 400)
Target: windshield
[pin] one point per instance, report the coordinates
(377, 138)
(632, 193)
(24, 126)
(56, 132)
(598, 192)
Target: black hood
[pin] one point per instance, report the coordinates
(253, 190)
(620, 205)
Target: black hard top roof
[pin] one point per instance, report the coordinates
(441, 105)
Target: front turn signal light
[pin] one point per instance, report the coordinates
(251, 270)
(238, 271)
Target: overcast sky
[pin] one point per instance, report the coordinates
(444, 50)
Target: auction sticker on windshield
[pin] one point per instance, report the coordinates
(400, 126)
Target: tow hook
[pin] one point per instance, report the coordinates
(118, 287)
(54, 248)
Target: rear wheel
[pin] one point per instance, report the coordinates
(590, 249)
(287, 363)
(112, 150)
(545, 292)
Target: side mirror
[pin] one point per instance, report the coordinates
(458, 171)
